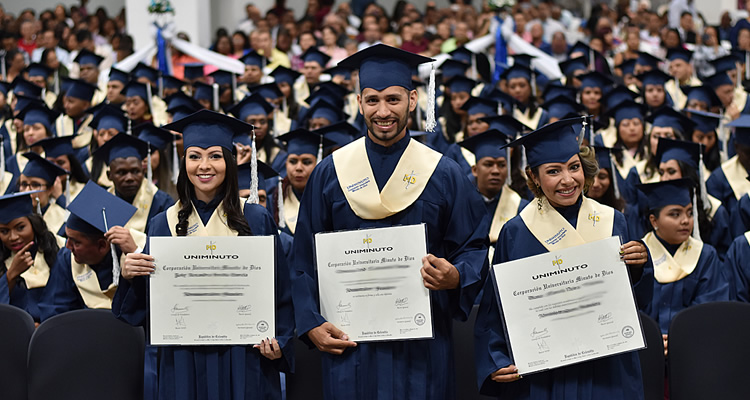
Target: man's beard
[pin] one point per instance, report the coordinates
(400, 126)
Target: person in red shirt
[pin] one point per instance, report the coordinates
(27, 42)
(418, 42)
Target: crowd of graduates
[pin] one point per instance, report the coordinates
(658, 102)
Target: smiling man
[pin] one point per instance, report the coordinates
(440, 197)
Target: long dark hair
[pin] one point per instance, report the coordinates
(77, 172)
(43, 238)
(231, 200)
(706, 225)
(608, 198)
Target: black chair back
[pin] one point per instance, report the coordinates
(652, 360)
(463, 353)
(306, 381)
(708, 352)
(86, 354)
(17, 326)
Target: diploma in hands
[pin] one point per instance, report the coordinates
(568, 306)
(370, 283)
(212, 290)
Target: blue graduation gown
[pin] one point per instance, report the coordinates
(705, 284)
(61, 293)
(22, 297)
(737, 268)
(740, 218)
(454, 153)
(718, 186)
(216, 372)
(457, 226)
(615, 377)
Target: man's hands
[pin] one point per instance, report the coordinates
(439, 274)
(121, 237)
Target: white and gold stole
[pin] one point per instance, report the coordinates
(736, 174)
(668, 268)
(216, 226)
(88, 285)
(37, 275)
(291, 209)
(507, 208)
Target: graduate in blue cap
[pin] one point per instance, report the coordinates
(162, 158)
(38, 124)
(107, 123)
(558, 172)
(124, 155)
(683, 75)
(322, 114)
(28, 250)
(593, 86)
(702, 98)
(627, 69)
(209, 205)
(254, 64)
(59, 150)
(227, 82)
(256, 111)
(171, 85)
(646, 62)
(304, 151)
(668, 123)
(194, 73)
(474, 109)
(629, 121)
(40, 176)
(340, 133)
(727, 183)
(274, 96)
(687, 271)
(491, 172)
(735, 264)
(140, 102)
(653, 91)
(88, 64)
(609, 188)
(521, 84)
(454, 267)
(706, 132)
(75, 121)
(314, 63)
(561, 107)
(116, 83)
(87, 271)
(284, 79)
(573, 67)
(724, 88)
(39, 74)
(207, 96)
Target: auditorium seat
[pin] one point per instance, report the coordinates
(652, 360)
(86, 354)
(463, 351)
(708, 352)
(306, 382)
(17, 328)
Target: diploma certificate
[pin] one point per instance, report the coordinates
(568, 306)
(210, 290)
(370, 283)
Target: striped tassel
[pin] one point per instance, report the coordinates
(149, 172)
(615, 175)
(696, 224)
(431, 122)
(280, 202)
(253, 198)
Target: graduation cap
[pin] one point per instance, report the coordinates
(590, 54)
(254, 104)
(702, 93)
(679, 53)
(653, 77)
(170, 82)
(302, 141)
(561, 106)
(490, 143)
(569, 67)
(477, 61)
(57, 146)
(179, 98)
(326, 94)
(340, 133)
(15, 205)
(193, 71)
(253, 58)
(382, 66)
(595, 79)
(267, 91)
(553, 143)
(687, 152)
(451, 68)
(122, 145)
(604, 155)
(665, 193)
(80, 89)
(24, 101)
(704, 121)
(337, 90)
(506, 124)
(87, 57)
(517, 71)
(507, 101)
(283, 74)
(244, 175)
(324, 109)
(38, 113)
(627, 109)
(138, 89)
(93, 203)
(37, 69)
(647, 60)
(207, 128)
(109, 117)
(460, 83)
(741, 127)
(477, 105)
(724, 64)
(553, 90)
(667, 117)
(40, 167)
(627, 67)
(22, 86)
(314, 55)
(118, 75)
(182, 111)
(619, 94)
(342, 71)
(718, 79)
(156, 137)
(144, 71)
(203, 91)
(223, 78)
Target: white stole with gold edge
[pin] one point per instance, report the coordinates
(216, 226)
(88, 285)
(715, 204)
(265, 157)
(55, 216)
(468, 156)
(507, 208)
(37, 275)
(609, 134)
(668, 268)
(747, 237)
(405, 185)
(530, 121)
(5, 182)
(736, 174)
(142, 201)
(291, 209)
(12, 134)
(739, 99)
(75, 188)
(84, 134)
(595, 222)
(103, 179)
